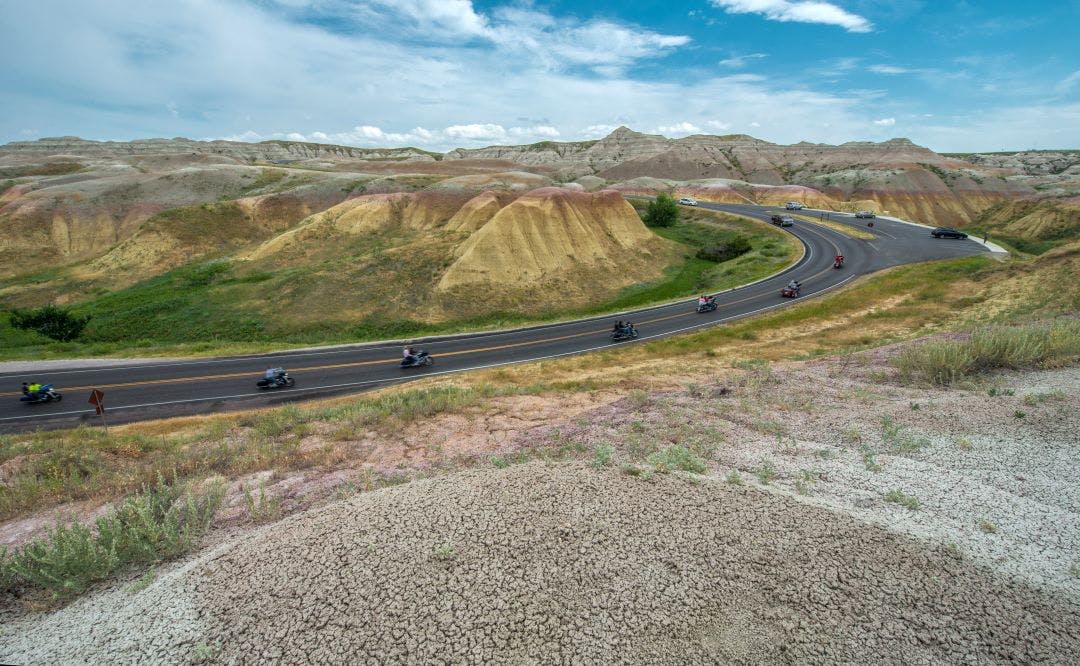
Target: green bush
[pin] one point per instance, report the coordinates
(159, 523)
(730, 249)
(1000, 347)
(662, 212)
(50, 321)
(677, 457)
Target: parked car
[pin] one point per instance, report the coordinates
(793, 205)
(865, 215)
(687, 201)
(947, 232)
(782, 220)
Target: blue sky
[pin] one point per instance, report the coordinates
(439, 74)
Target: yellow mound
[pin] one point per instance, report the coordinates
(476, 213)
(558, 237)
(417, 211)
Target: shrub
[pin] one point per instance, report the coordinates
(897, 496)
(999, 347)
(50, 321)
(262, 508)
(738, 245)
(153, 525)
(662, 212)
(677, 457)
(602, 455)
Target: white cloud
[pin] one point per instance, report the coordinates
(598, 131)
(545, 131)
(801, 11)
(249, 136)
(679, 129)
(885, 122)
(374, 87)
(437, 18)
(476, 131)
(888, 69)
(1068, 83)
(738, 61)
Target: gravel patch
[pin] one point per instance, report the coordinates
(563, 563)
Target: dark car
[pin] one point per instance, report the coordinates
(865, 215)
(947, 232)
(782, 220)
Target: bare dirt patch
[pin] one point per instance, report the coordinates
(563, 562)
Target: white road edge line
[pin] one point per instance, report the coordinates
(607, 345)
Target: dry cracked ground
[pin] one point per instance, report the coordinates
(841, 518)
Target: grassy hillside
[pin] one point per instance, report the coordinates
(345, 288)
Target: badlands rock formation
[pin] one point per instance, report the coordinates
(557, 237)
(264, 151)
(895, 176)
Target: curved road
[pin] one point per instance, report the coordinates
(172, 388)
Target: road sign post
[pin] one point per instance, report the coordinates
(97, 399)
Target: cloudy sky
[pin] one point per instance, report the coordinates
(439, 74)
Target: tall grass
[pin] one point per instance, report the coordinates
(49, 468)
(945, 362)
(159, 523)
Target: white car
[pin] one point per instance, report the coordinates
(793, 205)
(687, 201)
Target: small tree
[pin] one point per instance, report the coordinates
(662, 212)
(50, 321)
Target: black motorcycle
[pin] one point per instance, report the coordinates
(280, 379)
(707, 306)
(416, 360)
(44, 394)
(624, 333)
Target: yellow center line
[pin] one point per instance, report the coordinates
(355, 364)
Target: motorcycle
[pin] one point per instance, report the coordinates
(839, 263)
(624, 333)
(708, 306)
(44, 394)
(416, 360)
(789, 292)
(280, 379)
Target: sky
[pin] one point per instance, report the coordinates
(981, 75)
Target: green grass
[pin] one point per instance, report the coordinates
(677, 457)
(215, 305)
(161, 522)
(55, 467)
(897, 496)
(946, 362)
(927, 295)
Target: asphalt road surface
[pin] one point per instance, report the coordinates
(172, 388)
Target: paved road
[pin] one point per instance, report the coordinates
(171, 388)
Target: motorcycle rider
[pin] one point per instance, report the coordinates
(618, 327)
(409, 354)
(794, 285)
(839, 259)
(702, 300)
